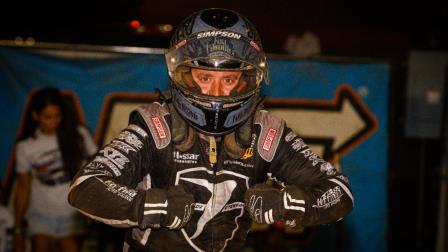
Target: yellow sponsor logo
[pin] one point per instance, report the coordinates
(248, 153)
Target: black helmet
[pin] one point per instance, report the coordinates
(217, 40)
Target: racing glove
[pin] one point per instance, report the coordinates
(267, 204)
(170, 208)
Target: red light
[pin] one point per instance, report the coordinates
(134, 24)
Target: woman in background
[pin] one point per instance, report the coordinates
(50, 149)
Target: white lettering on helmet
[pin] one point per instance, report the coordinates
(218, 33)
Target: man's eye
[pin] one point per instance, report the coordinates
(204, 79)
(229, 81)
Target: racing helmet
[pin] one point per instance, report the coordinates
(216, 40)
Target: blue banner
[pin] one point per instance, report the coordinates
(349, 98)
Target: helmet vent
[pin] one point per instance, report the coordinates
(219, 18)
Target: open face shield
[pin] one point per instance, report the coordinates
(217, 50)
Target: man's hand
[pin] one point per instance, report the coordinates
(180, 208)
(171, 209)
(267, 204)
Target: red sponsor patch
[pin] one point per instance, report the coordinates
(267, 144)
(159, 127)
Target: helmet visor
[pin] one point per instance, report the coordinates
(217, 51)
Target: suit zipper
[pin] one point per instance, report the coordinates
(213, 204)
(213, 164)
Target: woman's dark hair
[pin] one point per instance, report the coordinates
(70, 141)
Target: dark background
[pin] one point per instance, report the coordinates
(346, 27)
(379, 30)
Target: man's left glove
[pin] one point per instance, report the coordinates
(170, 208)
(267, 204)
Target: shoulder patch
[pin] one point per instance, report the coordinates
(270, 134)
(154, 116)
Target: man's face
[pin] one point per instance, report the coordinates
(216, 83)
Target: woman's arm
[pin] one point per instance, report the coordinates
(22, 196)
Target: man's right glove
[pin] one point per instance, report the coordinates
(267, 204)
(170, 208)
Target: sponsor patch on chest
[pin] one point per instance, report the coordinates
(269, 139)
(185, 158)
(159, 127)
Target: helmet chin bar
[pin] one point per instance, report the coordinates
(213, 119)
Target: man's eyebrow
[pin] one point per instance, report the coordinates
(231, 75)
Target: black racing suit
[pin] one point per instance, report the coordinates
(152, 152)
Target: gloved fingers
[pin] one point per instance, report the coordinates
(258, 213)
(255, 208)
(264, 203)
(180, 222)
(180, 208)
(175, 224)
(267, 204)
(187, 214)
(170, 208)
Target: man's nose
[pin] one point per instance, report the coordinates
(215, 89)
